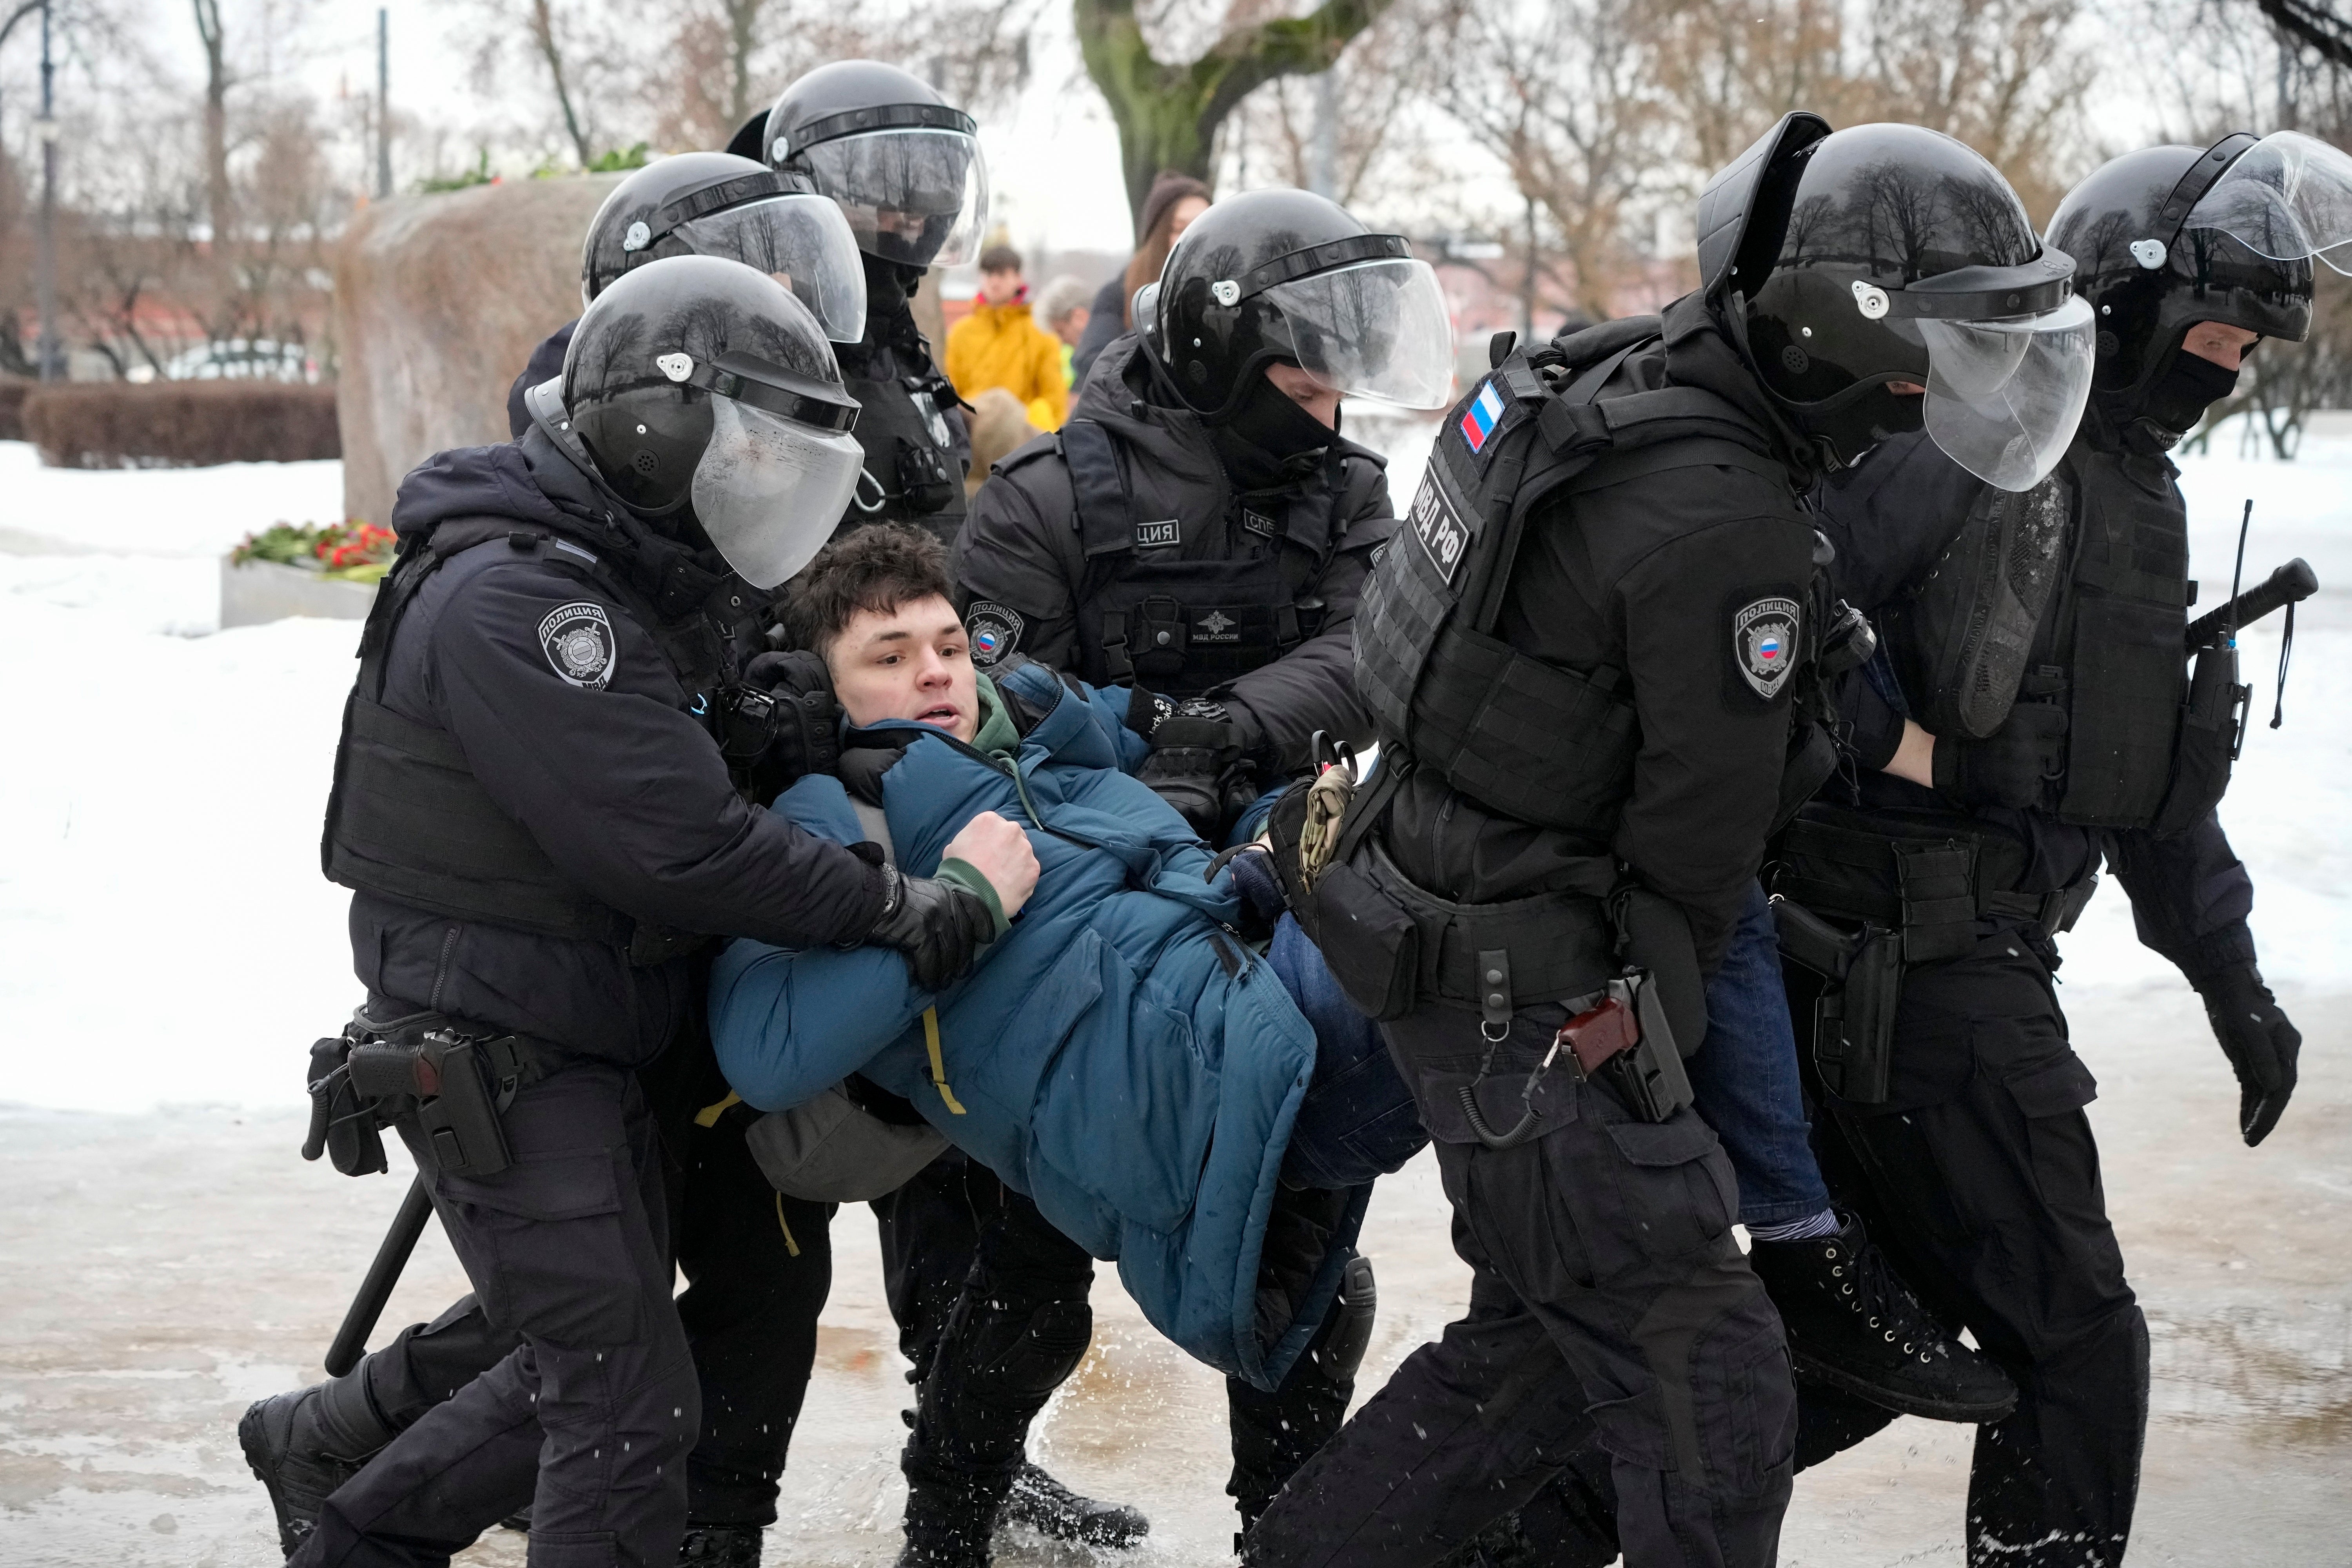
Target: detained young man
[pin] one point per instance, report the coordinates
(1120, 1053)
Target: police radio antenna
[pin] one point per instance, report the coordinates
(2238, 574)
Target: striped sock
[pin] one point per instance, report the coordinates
(1811, 1228)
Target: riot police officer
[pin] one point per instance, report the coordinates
(714, 204)
(1197, 533)
(536, 821)
(757, 1265)
(906, 168)
(2037, 713)
(1583, 650)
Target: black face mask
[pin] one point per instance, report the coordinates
(1878, 415)
(2179, 395)
(1266, 441)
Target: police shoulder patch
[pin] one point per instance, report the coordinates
(577, 641)
(1764, 643)
(994, 630)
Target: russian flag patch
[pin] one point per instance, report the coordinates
(1486, 413)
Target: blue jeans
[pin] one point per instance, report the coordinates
(1744, 1077)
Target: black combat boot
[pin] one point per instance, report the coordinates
(719, 1546)
(1854, 1324)
(1049, 1507)
(948, 1526)
(303, 1444)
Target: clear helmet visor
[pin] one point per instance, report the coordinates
(804, 243)
(770, 489)
(918, 196)
(2288, 197)
(1374, 329)
(2004, 397)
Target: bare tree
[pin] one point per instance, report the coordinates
(2314, 24)
(1364, 112)
(1563, 94)
(1168, 113)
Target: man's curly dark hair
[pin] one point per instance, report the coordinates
(875, 568)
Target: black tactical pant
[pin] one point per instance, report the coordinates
(1608, 1301)
(1979, 1176)
(757, 1268)
(990, 1347)
(588, 1421)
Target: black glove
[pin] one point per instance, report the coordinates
(2261, 1044)
(2008, 767)
(784, 721)
(938, 925)
(1191, 757)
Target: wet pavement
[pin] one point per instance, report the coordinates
(159, 1271)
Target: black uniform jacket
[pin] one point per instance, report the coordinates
(1650, 574)
(608, 767)
(1891, 517)
(1021, 548)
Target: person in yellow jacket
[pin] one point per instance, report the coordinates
(1000, 345)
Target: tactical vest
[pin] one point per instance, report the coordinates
(2016, 609)
(1182, 628)
(2120, 627)
(408, 820)
(912, 473)
(1528, 739)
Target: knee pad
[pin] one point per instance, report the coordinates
(349, 1424)
(1351, 1333)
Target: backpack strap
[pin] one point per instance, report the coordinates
(1101, 518)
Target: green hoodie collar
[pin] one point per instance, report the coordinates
(996, 737)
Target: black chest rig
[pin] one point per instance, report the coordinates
(1182, 628)
(913, 472)
(407, 818)
(1521, 736)
(2119, 636)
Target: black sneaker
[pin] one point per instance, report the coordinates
(720, 1546)
(279, 1437)
(1051, 1509)
(1854, 1324)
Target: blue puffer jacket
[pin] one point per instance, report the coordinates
(1116, 1055)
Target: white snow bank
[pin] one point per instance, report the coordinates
(169, 938)
(168, 935)
(155, 511)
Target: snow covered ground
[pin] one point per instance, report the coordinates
(167, 950)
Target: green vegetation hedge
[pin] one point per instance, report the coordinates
(180, 424)
(12, 407)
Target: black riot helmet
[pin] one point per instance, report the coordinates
(708, 204)
(1843, 261)
(2169, 237)
(905, 166)
(700, 390)
(1282, 275)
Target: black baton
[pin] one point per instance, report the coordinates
(359, 1322)
(2289, 584)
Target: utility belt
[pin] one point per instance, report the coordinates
(1394, 946)
(1858, 899)
(445, 1079)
